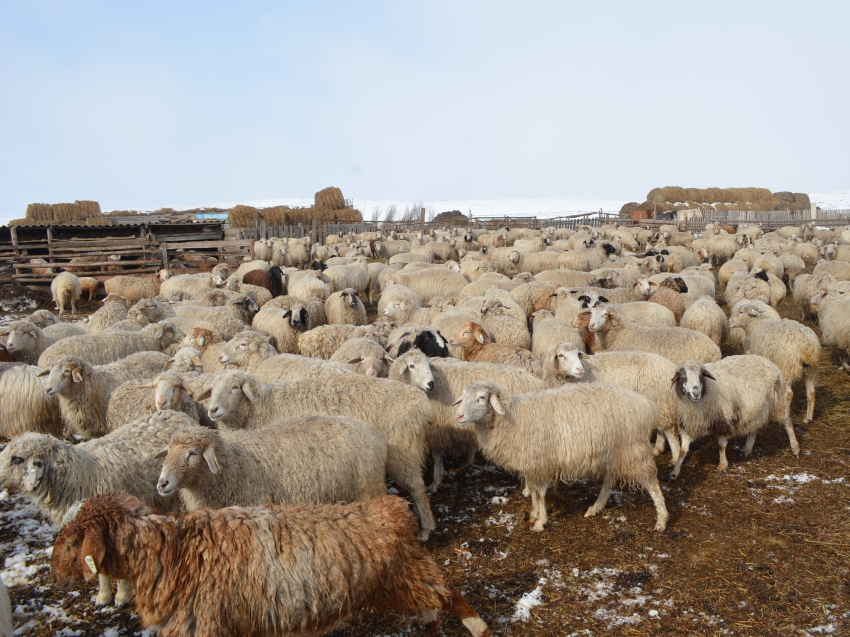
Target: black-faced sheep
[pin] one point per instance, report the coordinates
(345, 308)
(429, 340)
(271, 279)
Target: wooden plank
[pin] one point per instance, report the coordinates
(240, 243)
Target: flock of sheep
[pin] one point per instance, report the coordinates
(194, 437)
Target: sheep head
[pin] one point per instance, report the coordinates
(243, 346)
(63, 374)
(689, 380)
(168, 390)
(479, 402)
(25, 461)
(188, 456)
(230, 394)
(349, 296)
(21, 336)
(468, 334)
(601, 319)
(566, 359)
(413, 368)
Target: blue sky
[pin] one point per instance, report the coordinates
(159, 103)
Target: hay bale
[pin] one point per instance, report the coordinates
(276, 215)
(243, 217)
(39, 212)
(802, 199)
(65, 212)
(626, 210)
(122, 213)
(330, 198)
(452, 216)
(100, 221)
(89, 209)
(22, 222)
(784, 196)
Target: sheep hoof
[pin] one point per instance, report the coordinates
(538, 527)
(103, 599)
(424, 534)
(526, 492)
(660, 527)
(721, 469)
(592, 511)
(672, 477)
(121, 603)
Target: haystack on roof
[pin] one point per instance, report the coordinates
(39, 212)
(330, 198)
(676, 198)
(88, 209)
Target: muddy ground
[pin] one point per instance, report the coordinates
(763, 549)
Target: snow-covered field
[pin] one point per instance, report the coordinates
(834, 199)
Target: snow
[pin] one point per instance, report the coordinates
(527, 602)
(831, 199)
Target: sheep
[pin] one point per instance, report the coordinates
(209, 343)
(55, 474)
(43, 319)
(669, 294)
(110, 313)
(730, 268)
(578, 431)
(141, 397)
(309, 459)
(190, 283)
(83, 389)
(315, 308)
(790, 345)
(549, 331)
(443, 380)
(284, 326)
(507, 330)
(252, 352)
(314, 283)
(323, 341)
(450, 321)
(411, 336)
(271, 279)
(805, 287)
(673, 343)
(642, 312)
(641, 372)
(24, 406)
(793, 267)
(259, 263)
(26, 342)
(400, 313)
(133, 288)
(477, 346)
(401, 413)
(354, 275)
(500, 305)
(66, 288)
(352, 558)
(746, 392)
(721, 248)
(369, 357)
(833, 309)
(839, 269)
(704, 315)
(771, 264)
(438, 281)
(88, 286)
(345, 308)
(229, 320)
(256, 293)
(108, 347)
(398, 294)
(755, 285)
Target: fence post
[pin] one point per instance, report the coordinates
(422, 221)
(313, 231)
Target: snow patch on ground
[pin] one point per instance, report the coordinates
(831, 199)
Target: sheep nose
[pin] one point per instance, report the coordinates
(370, 372)
(430, 385)
(162, 486)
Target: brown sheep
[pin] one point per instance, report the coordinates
(222, 572)
(669, 294)
(478, 347)
(210, 345)
(89, 286)
(271, 279)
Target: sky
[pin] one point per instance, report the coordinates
(169, 103)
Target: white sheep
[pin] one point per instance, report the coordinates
(549, 331)
(580, 431)
(83, 389)
(311, 284)
(704, 315)
(323, 341)
(24, 405)
(284, 326)
(833, 307)
(55, 474)
(400, 412)
(355, 275)
(368, 356)
(190, 283)
(136, 398)
(344, 307)
(26, 342)
(110, 313)
(133, 288)
(437, 281)
(308, 459)
(66, 288)
(231, 319)
(745, 393)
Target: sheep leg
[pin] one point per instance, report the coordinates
(125, 592)
(457, 606)
(470, 456)
(604, 494)
(811, 380)
(721, 444)
(661, 515)
(686, 445)
(542, 518)
(659, 444)
(792, 438)
(431, 620)
(534, 514)
(439, 470)
(104, 591)
(675, 448)
(423, 510)
(749, 444)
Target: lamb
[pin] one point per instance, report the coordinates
(833, 309)
(284, 326)
(669, 294)
(252, 352)
(477, 346)
(141, 397)
(791, 346)
(443, 380)
(26, 342)
(88, 286)
(229, 320)
(110, 313)
(746, 392)
(313, 283)
(411, 336)
(345, 308)
(271, 279)
(83, 390)
(24, 406)
(66, 289)
(575, 432)
(55, 474)
(108, 347)
(641, 372)
(676, 344)
(704, 315)
(353, 558)
(310, 459)
(323, 341)
(400, 412)
(133, 288)
(369, 357)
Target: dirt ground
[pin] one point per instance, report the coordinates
(763, 549)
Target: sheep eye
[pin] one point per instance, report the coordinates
(192, 453)
(16, 460)
(38, 464)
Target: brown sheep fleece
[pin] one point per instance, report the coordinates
(282, 570)
(668, 295)
(479, 348)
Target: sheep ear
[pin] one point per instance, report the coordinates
(253, 347)
(168, 363)
(77, 375)
(676, 377)
(160, 332)
(602, 299)
(196, 361)
(202, 340)
(582, 355)
(162, 453)
(92, 551)
(246, 388)
(212, 461)
(44, 372)
(496, 404)
(754, 312)
(286, 314)
(359, 359)
(707, 374)
(457, 402)
(479, 337)
(204, 396)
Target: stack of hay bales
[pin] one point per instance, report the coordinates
(44, 214)
(330, 198)
(276, 216)
(39, 212)
(676, 198)
(243, 217)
